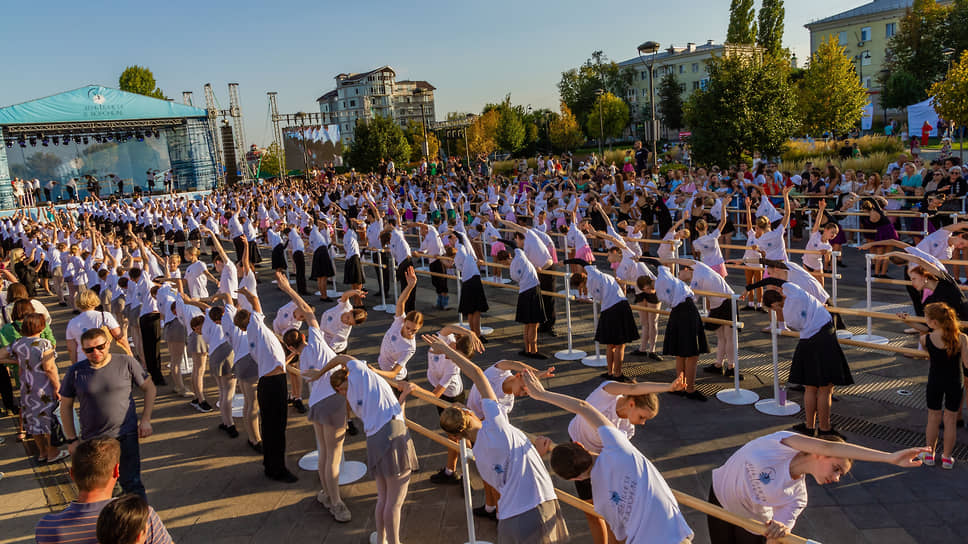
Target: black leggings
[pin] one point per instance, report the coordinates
(271, 393)
(150, 326)
(722, 532)
(6, 389)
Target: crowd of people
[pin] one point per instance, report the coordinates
(137, 269)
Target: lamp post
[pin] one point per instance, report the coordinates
(948, 52)
(651, 47)
(422, 97)
(860, 58)
(601, 122)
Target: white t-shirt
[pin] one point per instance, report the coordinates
(285, 319)
(669, 289)
(709, 250)
(707, 279)
(755, 481)
(632, 496)
(442, 372)
(336, 332)
(229, 279)
(523, 272)
(803, 312)
(936, 244)
(315, 355)
(91, 319)
(509, 463)
(495, 376)
(371, 397)
(581, 431)
(816, 243)
(395, 349)
(771, 242)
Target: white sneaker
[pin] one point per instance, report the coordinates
(323, 499)
(341, 512)
(927, 459)
(373, 537)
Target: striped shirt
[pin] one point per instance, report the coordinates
(77, 524)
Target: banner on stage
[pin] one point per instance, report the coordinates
(318, 144)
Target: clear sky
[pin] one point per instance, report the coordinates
(473, 52)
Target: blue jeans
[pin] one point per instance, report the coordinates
(130, 465)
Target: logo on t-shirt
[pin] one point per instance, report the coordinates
(767, 476)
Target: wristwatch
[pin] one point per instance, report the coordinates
(70, 440)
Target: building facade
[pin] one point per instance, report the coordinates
(864, 32)
(376, 93)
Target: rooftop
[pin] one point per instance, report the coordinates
(673, 51)
(422, 85)
(873, 8)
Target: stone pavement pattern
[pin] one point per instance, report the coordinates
(208, 488)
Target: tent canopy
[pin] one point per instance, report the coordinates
(94, 103)
(918, 114)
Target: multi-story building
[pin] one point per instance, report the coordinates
(377, 92)
(864, 32)
(687, 63)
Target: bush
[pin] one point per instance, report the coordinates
(664, 169)
(803, 151)
(875, 162)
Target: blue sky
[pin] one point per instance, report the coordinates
(472, 52)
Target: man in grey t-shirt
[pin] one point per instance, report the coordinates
(103, 384)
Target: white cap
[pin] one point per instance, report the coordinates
(796, 179)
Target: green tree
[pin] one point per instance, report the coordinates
(901, 90)
(951, 94)
(415, 136)
(577, 86)
(510, 133)
(831, 96)
(916, 49)
(770, 27)
(270, 164)
(377, 139)
(481, 135)
(742, 22)
(748, 105)
(614, 117)
(670, 101)
(140, 80)
(564, 131)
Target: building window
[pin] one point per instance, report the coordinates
(682, 88)
(865, 59)
(682, 68)
(695, 85)
(703, 83)
(695, 67)
(890, 30)
(867, 82)
(352, 103)
(865, 34)
(842, 37)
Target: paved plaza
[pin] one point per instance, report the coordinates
(208, 488)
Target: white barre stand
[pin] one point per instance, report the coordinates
(598, 360)
(349, 471)
(736, 396)
(382, 306)
(468, 509)
(776, 406)
(841, 334)
(569, 354)
(869, 337)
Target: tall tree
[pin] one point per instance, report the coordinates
(609, 116)
(831, 97)
(415, 136)
(742, 22)
(140, 80)
(577, 86)
(564, 131)
(376, 139)
(670, 101)
(748, 105)
(900, 90)
(916, 49)
(770, 27)
(481, 134)
(951, 95)
(270, 163)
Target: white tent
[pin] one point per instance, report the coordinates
(918, 114)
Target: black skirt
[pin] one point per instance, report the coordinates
(353, 271)
(684, 334)
(819, 361)
(279, 257)
(723, 311)
(193, 235)
(472, 298)
(440, 283)
(616, 325)
(530, 307)
(322, 264)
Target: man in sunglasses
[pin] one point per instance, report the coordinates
(102, 382)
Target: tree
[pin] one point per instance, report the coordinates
(901, 90)
(670, 101)
(831, 96)
(376, 139)
(742, 24)
(510, 132)
(951, 95)
(577, 86)
(614, 117)
(270, 163)
(748, 105)
(415, 136)
(481, 134)
(564, 131)
(916, 49)
(770, 27)
(140, 80)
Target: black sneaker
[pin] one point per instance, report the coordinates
(285, 477)
(654, 355)
(712, 369)
(730, 372)
(299, 406)
(605, 376)
(640, 353)
(483, 339)
(481, 512)
(696, 395)
(351, 428)
(830, 432)
(204, 407)
(442, 478)
(748, 309)
(232, 431)
(257, 447)
(803, 429)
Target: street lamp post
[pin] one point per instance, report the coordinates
(422, 95)
(955, 123)
(651, 47)
(601, 122)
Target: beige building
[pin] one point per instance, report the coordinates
(377, 92)
(864, 32)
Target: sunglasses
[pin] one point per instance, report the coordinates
(91, 349)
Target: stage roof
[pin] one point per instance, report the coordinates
(94, 103)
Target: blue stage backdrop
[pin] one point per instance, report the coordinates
(106, 133)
